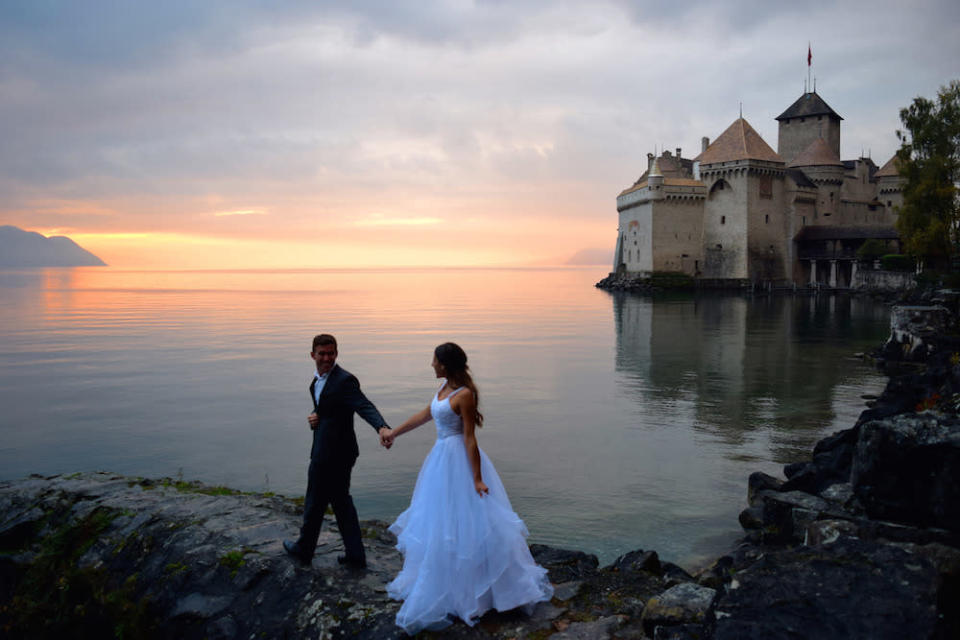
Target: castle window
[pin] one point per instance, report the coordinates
(719, 185)
(819, 118)
(766, 187)
(766, 219)
(723, 219)
(804, 223)
(889, 203)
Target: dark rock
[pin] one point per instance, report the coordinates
(822, 532)
(117, 556)
(848, 589)
(759, 481)
(674, 575)
(17, 532)
(564, 565)
(898, 532)
(685, 603)
(831, 462)
(681, 632)
(792, 469)
(752, 518)
(837, 440)
(840, 493)
(905, 470)
(716, 574)
(914, 329)
(786, 516)
(594, 630)
(639, 560)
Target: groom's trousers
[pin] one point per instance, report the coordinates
(329, 484)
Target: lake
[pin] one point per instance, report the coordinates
(616, 421)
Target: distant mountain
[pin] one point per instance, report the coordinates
(592, 256)
(19, 248)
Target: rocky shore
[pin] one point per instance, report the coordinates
(860, 541)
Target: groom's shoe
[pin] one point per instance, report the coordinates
(352, 563)
(293, 550)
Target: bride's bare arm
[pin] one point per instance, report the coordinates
(414, 421)
(467, 408)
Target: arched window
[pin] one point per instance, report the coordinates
(719, 185)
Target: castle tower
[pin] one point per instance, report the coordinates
(803, 122)
(821, 165)
(744, 227)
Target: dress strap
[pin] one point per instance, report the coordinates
(449, 395)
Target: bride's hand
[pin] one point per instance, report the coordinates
(386, 437)
(480, 487)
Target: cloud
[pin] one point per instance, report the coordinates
(384, 221)
(513, 112)
(240, 212)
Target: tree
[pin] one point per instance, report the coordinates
(929, 163)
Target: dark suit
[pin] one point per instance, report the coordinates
(332, 456)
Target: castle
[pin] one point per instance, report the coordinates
(741, 212)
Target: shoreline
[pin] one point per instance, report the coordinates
(833, 542)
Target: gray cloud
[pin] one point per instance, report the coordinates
(491, 99)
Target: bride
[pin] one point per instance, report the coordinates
(464, 548)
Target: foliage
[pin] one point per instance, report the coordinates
(897, 262)
(872, 249)
(56, 598)
(235, 560)
(929, 162)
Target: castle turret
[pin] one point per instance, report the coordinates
(803, 122)
(655, 180)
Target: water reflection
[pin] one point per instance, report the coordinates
(611, 436)
(746, 364)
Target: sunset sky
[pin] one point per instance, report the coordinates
(257, 134)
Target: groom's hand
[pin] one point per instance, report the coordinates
(313, 420)
(386, 437)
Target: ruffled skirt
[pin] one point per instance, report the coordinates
(463, 554)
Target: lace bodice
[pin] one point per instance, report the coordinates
(447, 421)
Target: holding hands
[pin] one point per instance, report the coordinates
(386, 437)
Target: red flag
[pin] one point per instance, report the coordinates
(809, 55)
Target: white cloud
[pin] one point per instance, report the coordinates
(497, 106)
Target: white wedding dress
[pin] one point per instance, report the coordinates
(463, 554)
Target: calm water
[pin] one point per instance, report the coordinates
(617, 422)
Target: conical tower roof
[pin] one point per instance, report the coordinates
(739, 142)
(655, 169)
(888, 170)
(809, 104)
(818, 154)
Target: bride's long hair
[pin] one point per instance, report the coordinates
(454, 361)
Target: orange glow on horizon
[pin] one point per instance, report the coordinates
(370, 242)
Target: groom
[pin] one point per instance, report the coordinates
(336, 397)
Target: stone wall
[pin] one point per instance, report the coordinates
(678, 235)
(883, 280)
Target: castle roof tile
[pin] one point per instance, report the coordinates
(818, 154)
(888, 170)
(809, 104)
(739, 142)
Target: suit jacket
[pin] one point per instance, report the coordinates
(334, 440)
